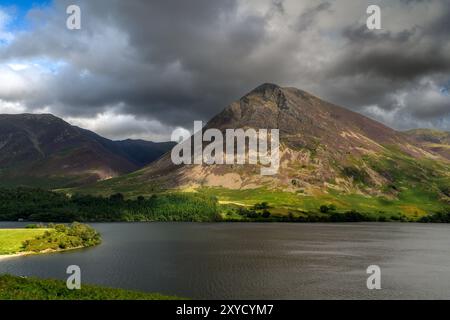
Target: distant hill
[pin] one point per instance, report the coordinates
(329, 156)
(43, 150)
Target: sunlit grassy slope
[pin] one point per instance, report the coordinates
(11, 240)
(414, 187)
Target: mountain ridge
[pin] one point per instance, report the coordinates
(44, 150)
(328, 154)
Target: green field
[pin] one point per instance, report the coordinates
(18, 288)
(54, 237)
(409, 201)
(11, 240)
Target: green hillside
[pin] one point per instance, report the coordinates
(330, 156)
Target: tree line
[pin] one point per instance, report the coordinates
(41, 205)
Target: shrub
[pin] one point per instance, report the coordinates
(64, 237)
(261, 206)
(327, 208)
(266, 214)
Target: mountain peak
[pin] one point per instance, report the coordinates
(265, 93)
(278, 94)
(267, 86)
(266, 90)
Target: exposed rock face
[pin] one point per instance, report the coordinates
(322, 146)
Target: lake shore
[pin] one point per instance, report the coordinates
(32, 253)
(243, 260)
(35, 239)
(14, 255)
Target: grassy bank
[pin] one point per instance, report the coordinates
(18, 288)
(51, 238)
(12, 240)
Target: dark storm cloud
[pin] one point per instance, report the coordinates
(389, 67)
(177, 61)
(307, 18)
(172, 60)
(393, 55)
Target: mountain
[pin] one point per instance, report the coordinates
(138, 152)
(433, 140)
(329, 156)
(43, 150)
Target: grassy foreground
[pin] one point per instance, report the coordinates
(18, 288)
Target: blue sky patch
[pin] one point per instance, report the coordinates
(18, 10)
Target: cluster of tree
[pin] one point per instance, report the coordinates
(326, 213)
(438, 217)
(41, 205)
(327, 208)
(60, 237)
(257, 212)
(348, 216)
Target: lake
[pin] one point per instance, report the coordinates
(258, 261)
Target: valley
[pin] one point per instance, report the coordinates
(41, 150)
(329, 156)
(335, 165)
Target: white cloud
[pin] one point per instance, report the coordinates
(21, 81)
(18, 66)
(11, 107)
(122, 126)
(126, 74)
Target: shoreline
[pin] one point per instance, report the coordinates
(231, 221)
(31, 253)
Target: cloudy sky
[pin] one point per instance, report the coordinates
(140, 68)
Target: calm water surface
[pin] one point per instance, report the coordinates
(258, 261)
